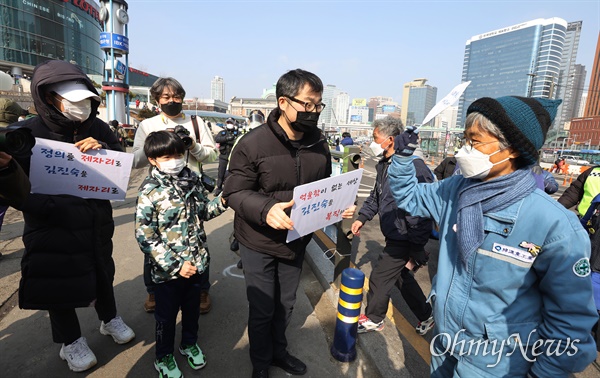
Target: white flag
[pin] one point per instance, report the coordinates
(446, 101)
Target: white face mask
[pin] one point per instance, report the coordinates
(77, 111)
(376, 149)
(230, 126)
(172, 167)
(474, 163)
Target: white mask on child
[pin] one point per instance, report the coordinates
(173, 166)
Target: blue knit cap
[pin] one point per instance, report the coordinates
(524, 121)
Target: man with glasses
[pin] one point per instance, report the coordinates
(513, 273)
(168, 93)
(265, 167)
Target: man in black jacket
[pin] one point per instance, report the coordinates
(68, 240)
(405, 238)
(265, 166)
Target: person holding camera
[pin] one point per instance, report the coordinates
(68, 240)
(226, 140)
(168, 93)
(405, 238)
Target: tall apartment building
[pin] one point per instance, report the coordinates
(417, 100)
(523, 60)
(569, 77)
(217, 88)
(336, 106)
(339, 107)
(329, 92)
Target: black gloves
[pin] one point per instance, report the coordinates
(402, 148)
(420, 257)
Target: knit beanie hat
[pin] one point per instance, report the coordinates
(524, 121)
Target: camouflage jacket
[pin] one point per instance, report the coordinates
(168, 222)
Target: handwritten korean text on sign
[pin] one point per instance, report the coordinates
(60, 168)
(322, 202)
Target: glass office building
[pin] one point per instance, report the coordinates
(420, 101)
(33, 31)
(521, 60)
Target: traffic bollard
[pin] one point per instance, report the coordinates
(346, 326)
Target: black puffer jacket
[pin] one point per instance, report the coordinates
(395, 224)
(68, 240)
(265, 167)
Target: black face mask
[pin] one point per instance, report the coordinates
(172, 108)
(305, 121)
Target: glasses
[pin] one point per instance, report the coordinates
(176, 98)
(470, 145)
(309, 106)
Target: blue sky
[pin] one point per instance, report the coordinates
(366, 48)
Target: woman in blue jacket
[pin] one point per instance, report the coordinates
(512, 294)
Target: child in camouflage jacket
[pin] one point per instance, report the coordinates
(171, 208)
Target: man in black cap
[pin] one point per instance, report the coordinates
(513, 274)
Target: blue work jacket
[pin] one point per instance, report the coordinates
(528, 284)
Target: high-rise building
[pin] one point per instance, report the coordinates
(592, 106)
(576, 93)
(522, 60)
(329, 92)
(581, 108)
(447, 118)
(340, 105)
(417, 100)
(217, 88)
(566, 88)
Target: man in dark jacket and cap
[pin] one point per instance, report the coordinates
(68, 240)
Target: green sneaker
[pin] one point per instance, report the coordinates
(194, 355)
(167, 367)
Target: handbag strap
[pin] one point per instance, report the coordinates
(197, 131)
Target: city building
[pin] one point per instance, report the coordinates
(584, 132)
(339, 107)
(581, 108)
(329, 93)
(243, 106)
(217, 88)
(447, 118)
(418, 99)
(358, 112)
(592, 106)
(36, 31)
(523, 60)
(570, 76)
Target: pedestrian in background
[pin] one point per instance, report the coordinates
(346, 140)
(265, 167)
(169, 94)
(446, 168)
(226, 139)
(10, 112)
(513, 268)
(169, 230)
(584, 193)
(68, 240)
(405, 238)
